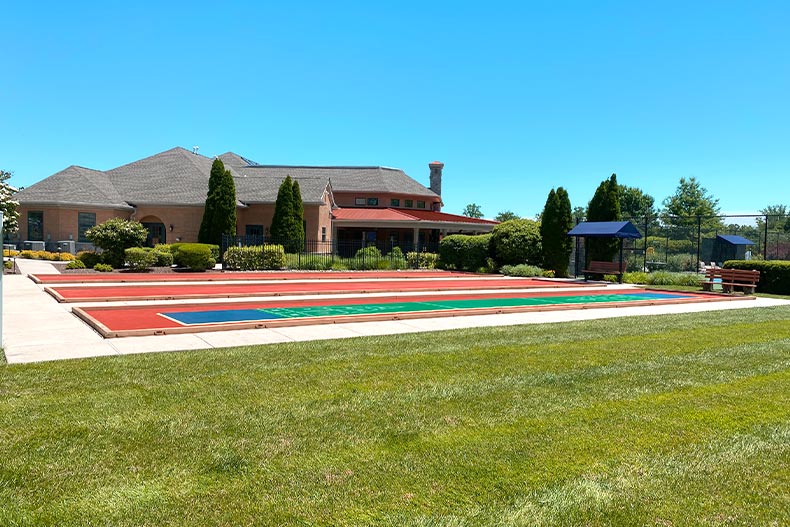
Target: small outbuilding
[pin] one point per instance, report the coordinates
(730, 247)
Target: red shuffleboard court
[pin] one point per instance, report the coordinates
(235, 275)
(92, 293)
(124, 321)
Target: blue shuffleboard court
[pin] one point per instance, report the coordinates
(305, 310)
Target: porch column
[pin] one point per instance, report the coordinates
(417, 239)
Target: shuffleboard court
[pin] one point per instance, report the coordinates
(85, 293)
(241, 276)
(120, 321)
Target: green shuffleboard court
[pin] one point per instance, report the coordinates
(218, 316)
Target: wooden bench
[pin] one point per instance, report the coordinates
(731, 279)
(615, 268)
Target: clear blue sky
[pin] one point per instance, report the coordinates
(514, 97)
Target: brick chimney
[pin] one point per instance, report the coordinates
(436, 176)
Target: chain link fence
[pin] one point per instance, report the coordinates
(690, 243)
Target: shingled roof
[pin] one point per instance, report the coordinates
(75, 185)
(180, 177)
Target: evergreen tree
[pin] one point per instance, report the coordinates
(209, 218)
(298, 215)
(557, 220)
(604, 206)
(566, 223)
(224, 209)
(282, 229)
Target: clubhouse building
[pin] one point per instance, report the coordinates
(369, 205)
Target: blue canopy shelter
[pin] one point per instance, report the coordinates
(606, 229)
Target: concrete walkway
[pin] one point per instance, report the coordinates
(38, 328)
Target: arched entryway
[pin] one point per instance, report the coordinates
(156, 230)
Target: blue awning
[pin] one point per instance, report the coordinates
(735, 240)
(605, 229)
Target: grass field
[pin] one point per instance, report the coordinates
(666, 421)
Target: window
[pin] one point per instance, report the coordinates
(373, 202)
(359, 201)
(323, 234)
(420, 204)
(253, 230)
(409, 203)
(85, 220)
(394, 202)
(35, 226)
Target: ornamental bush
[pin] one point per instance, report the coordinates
(162, 258)
(253, 258)
(89, 258)
(195, 256)
(138, 259)
(102, 268)
(115, 236)
(774, 274)
(75, 264)
(521, 270)
(421, 260)
(516, 242)
(464, 252)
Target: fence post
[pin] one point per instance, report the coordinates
(647, 221)
(699, 241)
(765, 245)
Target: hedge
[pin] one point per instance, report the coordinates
(774, 274)
(464, 252)
(138, 259)
(195, 256)
(258, 257)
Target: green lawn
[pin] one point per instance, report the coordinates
(660, 421)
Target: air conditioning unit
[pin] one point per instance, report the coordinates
(28, 245)
(67, 246)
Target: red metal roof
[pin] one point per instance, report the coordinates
(429, 215)
(351, 214)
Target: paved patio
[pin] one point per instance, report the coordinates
(37, 328)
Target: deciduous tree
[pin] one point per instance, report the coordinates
(8, 205)
(473, 211)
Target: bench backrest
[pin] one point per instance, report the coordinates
(606, 267)
(733, 275)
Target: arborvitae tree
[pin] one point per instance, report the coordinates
(224, 209)
(604, 206)
(287, 228)
(566, 223)
(556, 221)
(214, 178)
(298, 217)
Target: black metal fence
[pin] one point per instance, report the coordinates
(351, 254)
(689, 243)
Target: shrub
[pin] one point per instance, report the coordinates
(668, 278)
(89, 258)
(102, 268)
(516, 242)
(521, 270)
(164, 247)
(423, 260)
(8, 253)
(46, 255)
(195, 256)
(774, 274)
(115, 236)
(368, 252)
(681, 262)
(9, 264)
(639, 277)
(464, 252)
(138, 259)
(75, 264)
(309, 262)
(162, 258)
(255, 257)
(396, 252)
